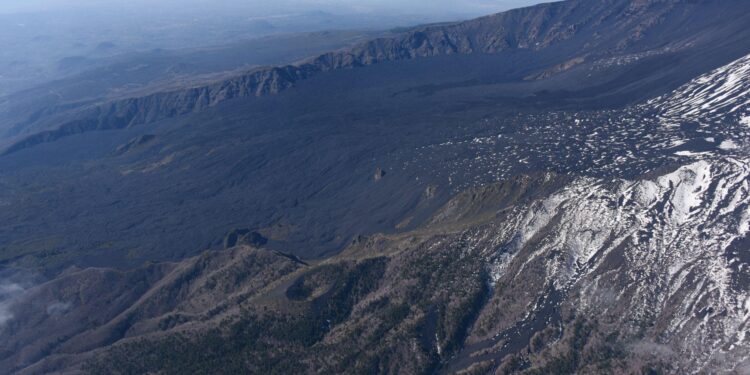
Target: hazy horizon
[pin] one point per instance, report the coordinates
(266, 7)
(42, 40)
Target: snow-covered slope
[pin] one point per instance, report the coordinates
(662, 262)
(717, 104)
(666, 253)
(725, 91)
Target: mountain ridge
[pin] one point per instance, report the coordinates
(533, 28)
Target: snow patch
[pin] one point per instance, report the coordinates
(688, 184)
(678, 143)
(688, 153)
(728, 145)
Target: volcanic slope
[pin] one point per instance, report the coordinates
(376, 148)
(541, 273)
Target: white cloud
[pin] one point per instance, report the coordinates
(9, 292)
(58, 308)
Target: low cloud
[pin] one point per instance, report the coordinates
(9, 293)
(13, 284)
(58, 308)
(5, 314)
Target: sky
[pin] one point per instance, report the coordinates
(468, 7)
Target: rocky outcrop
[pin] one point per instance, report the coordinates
(379, 174)
(135, 143)
(244, 237)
